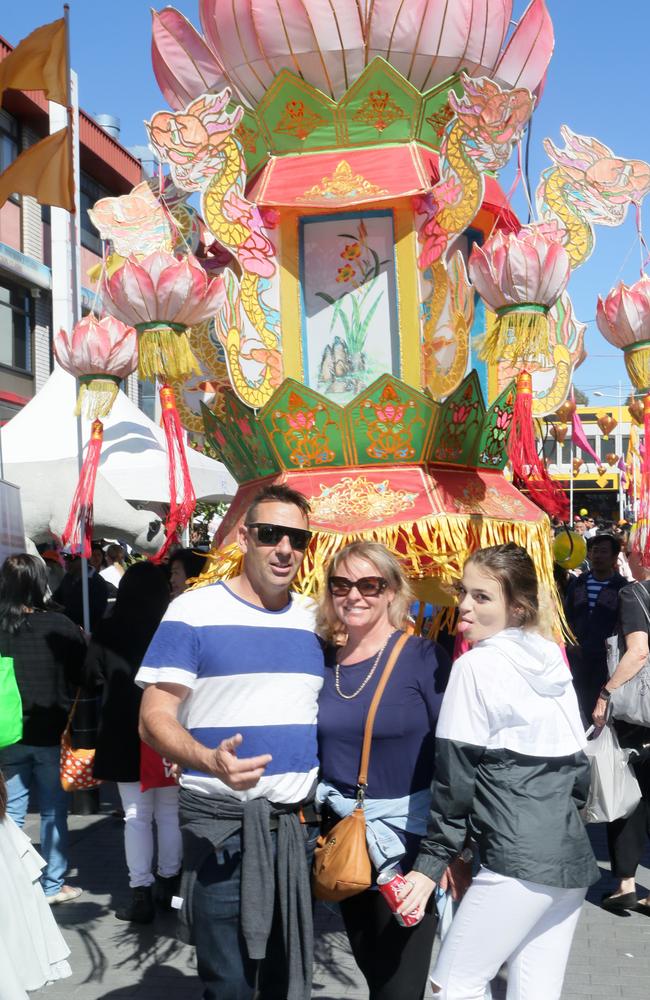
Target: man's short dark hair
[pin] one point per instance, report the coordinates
(278, 493)
(605, 536)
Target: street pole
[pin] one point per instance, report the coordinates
(621, 503)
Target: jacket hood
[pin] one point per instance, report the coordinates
(538, 660)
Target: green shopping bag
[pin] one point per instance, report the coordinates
(11, 706)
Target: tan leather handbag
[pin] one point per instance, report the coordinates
(341, 864)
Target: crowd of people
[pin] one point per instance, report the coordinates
(234, 717)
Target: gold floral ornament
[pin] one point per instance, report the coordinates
(298, 120)
(490, 502)
(379, 110)
(343, 184)
(359, 498)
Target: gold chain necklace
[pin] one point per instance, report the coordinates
(337, 673)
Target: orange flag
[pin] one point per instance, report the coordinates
(38, 63)
(44, 171)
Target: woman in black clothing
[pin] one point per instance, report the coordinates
(48, 652)
(114, 656)
(627, 838)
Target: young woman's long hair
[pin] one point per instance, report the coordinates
(23, 586)
(142, 599)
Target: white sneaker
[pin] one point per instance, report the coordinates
(64, 895)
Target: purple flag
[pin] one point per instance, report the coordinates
(623, 467)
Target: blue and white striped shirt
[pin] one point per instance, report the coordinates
(249, 671)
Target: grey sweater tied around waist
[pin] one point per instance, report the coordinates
(206, 823)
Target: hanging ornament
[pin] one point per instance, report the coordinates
(641, 534)
(78, 532)
(519, 276)
(100, 353)
(565, 412)
(559, 431)
(182, 499)
(624, 320)
(601, 469)
(577, 465)
(527, 467)
(611, 458)
(607, 423)
(635, 409)
(162, 296)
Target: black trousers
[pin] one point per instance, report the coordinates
(627, 838)
(394, 960)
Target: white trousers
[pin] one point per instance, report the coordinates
(140, 809)
(501, 919)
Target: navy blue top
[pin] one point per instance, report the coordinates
(401, 757)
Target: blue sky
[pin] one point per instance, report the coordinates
(597, 85)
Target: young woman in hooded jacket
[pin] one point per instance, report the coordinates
(511, 774)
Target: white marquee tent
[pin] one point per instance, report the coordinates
(134, 455)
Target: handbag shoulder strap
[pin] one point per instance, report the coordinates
(72, 711)
(362, 780)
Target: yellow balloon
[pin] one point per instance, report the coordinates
(569, 549)
(583, 512)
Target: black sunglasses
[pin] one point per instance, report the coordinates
(272, 534)
(368, 586)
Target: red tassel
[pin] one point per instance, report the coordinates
(78, 532)
(181, 506)
(528, 469)
(641, 533)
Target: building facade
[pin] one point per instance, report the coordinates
(106, 168)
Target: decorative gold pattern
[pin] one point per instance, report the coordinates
(358, 497)
(309, 444)
(343, 184)
(379, 110)
(440, 119)
(247, 137)
(389, 426)
(297, 120)
(490, 502)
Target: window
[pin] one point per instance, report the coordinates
(148, 397)
(15, 326)
(9, 144)
(90, 192)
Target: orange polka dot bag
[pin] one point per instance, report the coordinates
(76, 766)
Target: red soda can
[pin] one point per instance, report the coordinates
(389, 883)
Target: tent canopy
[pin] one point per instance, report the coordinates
(134, 455)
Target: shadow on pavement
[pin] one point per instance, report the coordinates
(160, 981)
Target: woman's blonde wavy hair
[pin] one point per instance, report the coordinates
(387, 565)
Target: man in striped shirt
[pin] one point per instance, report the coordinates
(235, 668)
(591, 607)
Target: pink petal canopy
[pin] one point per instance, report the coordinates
(517, 268)
(98, 347)
(328, 43)
(162, 287)
(183, 63)
(624, 316)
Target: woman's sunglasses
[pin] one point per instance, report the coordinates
(368, 586)
(272, 534)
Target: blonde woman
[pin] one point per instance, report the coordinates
(364, 607)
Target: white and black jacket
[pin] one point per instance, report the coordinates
(510, 767)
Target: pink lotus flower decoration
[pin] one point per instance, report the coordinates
(519, 276)
(624, 320)
(162, 296)
(246, 43)
(100, 353)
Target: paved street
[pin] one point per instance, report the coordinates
(110, 959)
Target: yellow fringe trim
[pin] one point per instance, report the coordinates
(518, 335)
(96, 398)
(165, 353)
(433, 552)
(638, 367)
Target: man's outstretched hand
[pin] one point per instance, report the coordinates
(239, 773)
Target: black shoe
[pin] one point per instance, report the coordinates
(617, 904)
(164, 889)
(141, 909)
